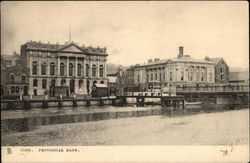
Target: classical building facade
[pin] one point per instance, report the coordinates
(53, 65)
(183, 70)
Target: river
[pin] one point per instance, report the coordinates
(215, 128)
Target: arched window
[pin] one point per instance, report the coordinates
(12, 78)
(43, 67)
(102, 82)
(52, 68)
(93, 71)
(63, 82)
(34, 68)
(87, 70)
(101, 71)
(13, 90)
(35, 83)
(71, 69)
(80, 83)
(17, 89)
(62, 69)
(79, 70)
(23, 79)
(53, 83)
(44, 84)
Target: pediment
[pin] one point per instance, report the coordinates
(71, 48)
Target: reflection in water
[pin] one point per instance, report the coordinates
(59, 116)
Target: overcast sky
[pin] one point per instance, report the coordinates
(133, 32)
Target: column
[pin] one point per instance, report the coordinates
(76, 65)
(90, 68)
(31, 65)
(58, 66)
(84, 68)
(67, 67)
(105, 69)
(97, 68)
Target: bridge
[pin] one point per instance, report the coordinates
(242, 88)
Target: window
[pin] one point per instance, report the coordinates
(164, 76)
(17, 89)
(221, 76)
(151, 77)
(44, 84)
(93, 70)
(79, 70)
(63, 81)
(182, 76)
(87, 70)
(210, 77)
(34, 68)
(71, 69)
(62, 69)
(202, 76)
(138, 76)
(52, 68)
(13, 90)
(101, 71)
(171, 76)
(197, 76)
(155, 76)
(23, 79)
(53, 83)
(221, 69)
(80, 83)
(160, 76)
(147, 77)
(43, 66)
(35, 83)
(12, 78)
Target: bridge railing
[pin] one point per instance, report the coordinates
(215, 88)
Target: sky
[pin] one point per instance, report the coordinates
(133, 32)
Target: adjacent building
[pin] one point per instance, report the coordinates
(11, 60)
(76, 68)
(221, 69)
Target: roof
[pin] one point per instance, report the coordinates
(215, 60)
(233, 76)
(162, 61)
(101, 85)
(189, 59)
(34, 45)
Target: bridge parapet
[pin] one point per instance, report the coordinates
(226, 88)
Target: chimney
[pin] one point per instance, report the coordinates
(181, 49)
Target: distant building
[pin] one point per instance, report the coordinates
(75, 67)
(221, 69)
(112, 84)
(239, 77)
(3, 77)
(17, 80)
(182, 70)
(11, 60)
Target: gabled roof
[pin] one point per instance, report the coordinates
(214, 60)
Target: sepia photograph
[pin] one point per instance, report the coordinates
(129, 78)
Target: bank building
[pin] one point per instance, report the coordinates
(69, 68)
